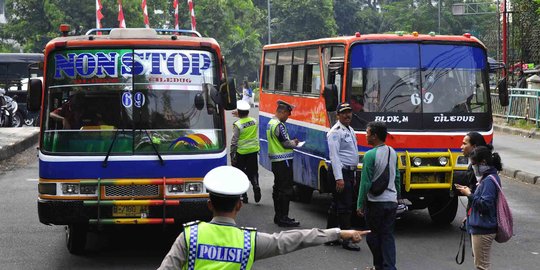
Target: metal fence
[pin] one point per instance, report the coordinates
(524, 104)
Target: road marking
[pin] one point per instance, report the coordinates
(32, 179)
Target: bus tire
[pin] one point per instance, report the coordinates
(443, 210)
(76, 238)
(303, 193)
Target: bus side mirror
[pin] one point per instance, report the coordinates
(212, 97)
(33, 100)
(199, 101)
(227, 92)
(503, 92)
(330, 97)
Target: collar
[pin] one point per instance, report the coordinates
(223, 220)
(343, 126)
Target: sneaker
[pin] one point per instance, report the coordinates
(257, 194)
(244, 199)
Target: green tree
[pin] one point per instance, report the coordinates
(301, 20)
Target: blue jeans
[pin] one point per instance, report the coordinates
(380, 219)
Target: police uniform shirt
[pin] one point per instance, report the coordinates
(343, 148)
(266, 245)
(283, 136)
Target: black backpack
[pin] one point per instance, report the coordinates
(380, 184)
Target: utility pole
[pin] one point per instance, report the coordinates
(480, 8)
(269, 30)
(439, 5)
(504, 37)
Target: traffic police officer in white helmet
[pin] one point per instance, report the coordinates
(245, 147)
(221, 243)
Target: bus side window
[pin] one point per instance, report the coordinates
(357, 91)
(269, 71)
(297, 72)
(312, 73)
(284, 68)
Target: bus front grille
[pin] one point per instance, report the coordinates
(132, 191)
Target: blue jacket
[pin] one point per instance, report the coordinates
(483, 216)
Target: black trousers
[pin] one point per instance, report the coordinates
(248, 163)
(283, 186)
(380, 219)
(339, 213)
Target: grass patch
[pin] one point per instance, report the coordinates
(522, 124)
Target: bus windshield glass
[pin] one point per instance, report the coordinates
(419, 86)
(124, 101)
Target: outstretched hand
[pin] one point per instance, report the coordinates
(354, 235)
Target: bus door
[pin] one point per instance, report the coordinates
(333, 62)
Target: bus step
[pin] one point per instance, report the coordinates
(134, 221)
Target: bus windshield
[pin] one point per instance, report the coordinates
(130, 102)
(419, 86)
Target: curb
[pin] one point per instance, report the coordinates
(533, 133)
(513, 173)
(9, 150)
(522, 176)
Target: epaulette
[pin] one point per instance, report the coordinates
(192, 223)
(249, 228)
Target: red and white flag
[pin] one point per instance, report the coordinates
(99, 15)
(192, 13)
(145, 14)
(121, 20)
(175, 6)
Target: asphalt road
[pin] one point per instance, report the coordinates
(518, 152)
(27, 244)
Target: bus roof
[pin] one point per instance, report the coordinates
(465, 38)
(21, 57)
(129, 37)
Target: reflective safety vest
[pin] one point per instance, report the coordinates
(213, 246)
(276, 151)
(248, 142)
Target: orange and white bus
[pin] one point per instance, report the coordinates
(132, 120)
(430, 91)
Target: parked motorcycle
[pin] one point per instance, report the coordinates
(10, 116)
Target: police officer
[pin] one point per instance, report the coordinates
(281, 156)
(221, 244)
(343, 150)
(245, 147)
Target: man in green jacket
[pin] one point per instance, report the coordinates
(379, 210)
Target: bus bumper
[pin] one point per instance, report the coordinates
(64, 212)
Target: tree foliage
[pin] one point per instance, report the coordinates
(240, 26)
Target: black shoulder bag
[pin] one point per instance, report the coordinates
(379, 185)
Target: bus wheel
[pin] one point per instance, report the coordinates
(443, 210)
(303, 193)
(76, 238)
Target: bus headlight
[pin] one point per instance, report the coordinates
(462, 160)
(88, 189)
(194, 188)
(176, 188)
(443, 161)
(417, 161)
(70, 188)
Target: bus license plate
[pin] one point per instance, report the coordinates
(129, 210)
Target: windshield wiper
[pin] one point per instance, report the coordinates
(161, 161)
(104, 164)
